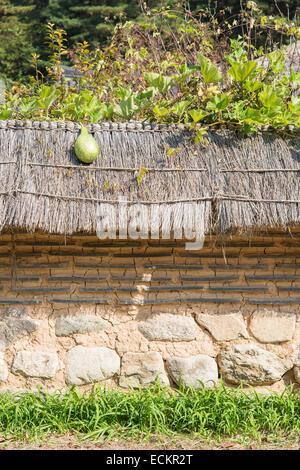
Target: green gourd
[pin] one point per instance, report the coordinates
(86, 147)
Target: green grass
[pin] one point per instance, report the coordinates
(212, 413)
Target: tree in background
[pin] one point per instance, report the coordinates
(83, 20)
(23, 24)
(15, 46)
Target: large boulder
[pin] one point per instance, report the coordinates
(249, 364)
(87, 365)
(69, 325)
(35, 364)
(169, 327)
(3, 369)
(272, 327)
(142, 369)
(196, 371)
(224, 327)
(14, 324)
(297, 368)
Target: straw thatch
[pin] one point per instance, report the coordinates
(233, 183)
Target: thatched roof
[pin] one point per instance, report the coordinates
(232, 183)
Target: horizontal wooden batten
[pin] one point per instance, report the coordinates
(19, 302)
(232, 267)
(112, 245)
(209, 279)
(173, 266)
(43, 266)
(79, 301)
(178, 300)
(238, 289)
(40, 290)
(75, 279)
(140, 289)
(272, 278)
(45, 243)
(142, 255)
(140, 279)
(244, 245)
(109, 289)
(169, 245)
(209, 255)
(22, 279)
(105, 266)
(291, 243)
(21, 255)
(274, 301)
(287, 266)
(272, 256)
(289, 289)
(73, 254)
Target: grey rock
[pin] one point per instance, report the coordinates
(249, 364)
(35, 364)
(272, 327)
(169, 327)
(196, 371)
(297, 368)
(3, 369)
(14, 324)
(69, 325)
(87, 365)
(224, 327)
(142, 369)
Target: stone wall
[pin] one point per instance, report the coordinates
(74, 310)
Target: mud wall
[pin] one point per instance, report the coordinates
(74, 310)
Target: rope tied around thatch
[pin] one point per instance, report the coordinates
(139, 127)
(216, 198)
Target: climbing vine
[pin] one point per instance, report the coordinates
(189, 72)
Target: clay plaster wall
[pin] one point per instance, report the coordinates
(76, 309)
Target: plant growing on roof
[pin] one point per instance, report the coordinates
(174, 76)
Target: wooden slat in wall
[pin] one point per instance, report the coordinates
(150, 270)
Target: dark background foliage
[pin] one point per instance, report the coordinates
(23, 23)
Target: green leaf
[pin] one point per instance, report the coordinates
(276, 61)
(255, 115)
(172, 151)
(124, 93)
(218, 102)
(294, 105)
(146, 94)
(126, 108)
(180, 107)
(160, 110)
(199, 136)
(209, 72)
(269, 98)
(253, 85)
(161, 82)
(197, 115)
(240, 72)
(6, 113)
(47, 96)
(184, 73)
